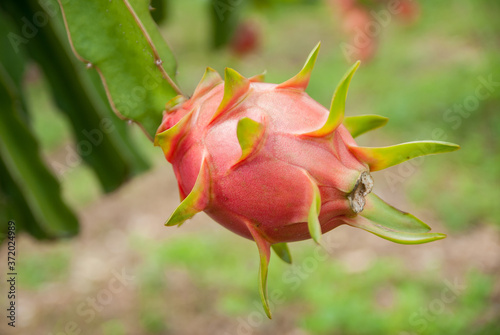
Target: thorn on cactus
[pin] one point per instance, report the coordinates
(281, 249)
(312, 218)
(168, 139)
(259, 78)
(195, 202)
(385, 221)
(209, 80)
(265, 254)
(235, 87)
(250, 134)
(337, 108)
(358, 125)
(174, 103)
(384, 157)
(301, 80)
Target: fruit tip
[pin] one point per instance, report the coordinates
(440, 236)
(354, 67)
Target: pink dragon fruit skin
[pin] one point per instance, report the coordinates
(269, 163)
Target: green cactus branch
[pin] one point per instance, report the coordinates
(25, 176)
(139, 71)
(224, 15)
(71, 92)
(78, 94)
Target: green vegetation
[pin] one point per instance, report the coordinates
(50, 266)
(381, 299)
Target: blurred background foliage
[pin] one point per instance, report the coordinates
(30, 192)
(203, 280)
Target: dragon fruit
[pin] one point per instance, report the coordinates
(271, 164)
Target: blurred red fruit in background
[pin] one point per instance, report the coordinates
(246, 38)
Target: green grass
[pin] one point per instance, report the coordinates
(113, 327)
(50, 266)
(382, 299)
